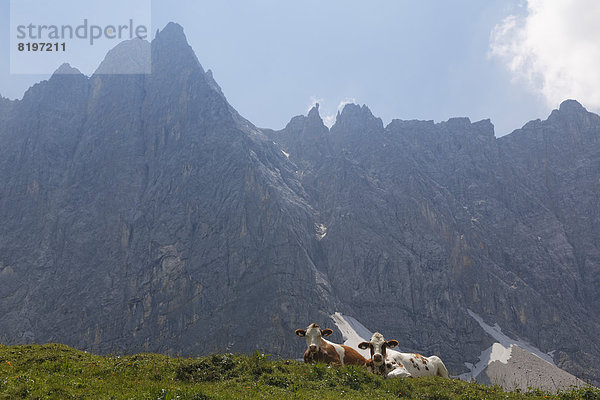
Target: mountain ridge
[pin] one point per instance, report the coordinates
(475, 189)
(145, 214)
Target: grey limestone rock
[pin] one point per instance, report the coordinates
(141, 212)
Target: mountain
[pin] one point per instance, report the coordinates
(141, 212)
(426, 222)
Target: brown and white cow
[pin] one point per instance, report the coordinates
(401, 365)
(321, 350)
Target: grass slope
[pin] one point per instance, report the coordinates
(56, 371)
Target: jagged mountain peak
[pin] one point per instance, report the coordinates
(65, 82)
(572, 117)
(570, 105)
(297, 122)
(171, 51)
(178, 81)
(355, 118)
(172, 34)
(173, 29)
(67, 69)
(351, 109)
(569, 109)
(307, 122)
(128, 57)
(314, 117)
(305, 137)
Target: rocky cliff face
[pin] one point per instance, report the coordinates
(142, 212)
(425, 221)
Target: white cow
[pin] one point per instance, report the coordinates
(400, 365)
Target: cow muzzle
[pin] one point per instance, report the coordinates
(312, 348)
(378, 358)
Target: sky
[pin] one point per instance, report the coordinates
(508, 60)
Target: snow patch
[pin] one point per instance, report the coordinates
(496, 332)
(496, 352)
(321, 232)
(500, 351)
(353, 332)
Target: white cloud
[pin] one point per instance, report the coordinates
(329, 120)
(554, 49)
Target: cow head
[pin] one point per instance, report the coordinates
(378, 346)
(313, 335)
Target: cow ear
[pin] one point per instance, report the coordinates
(326, 332)
(300, 332)
(363, 345)
(392, 343)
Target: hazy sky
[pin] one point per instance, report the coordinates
(508, 60)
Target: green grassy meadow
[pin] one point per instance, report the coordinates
(55, 371)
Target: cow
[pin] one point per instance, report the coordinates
(388, 369)
(321, 350)
(401, 365)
